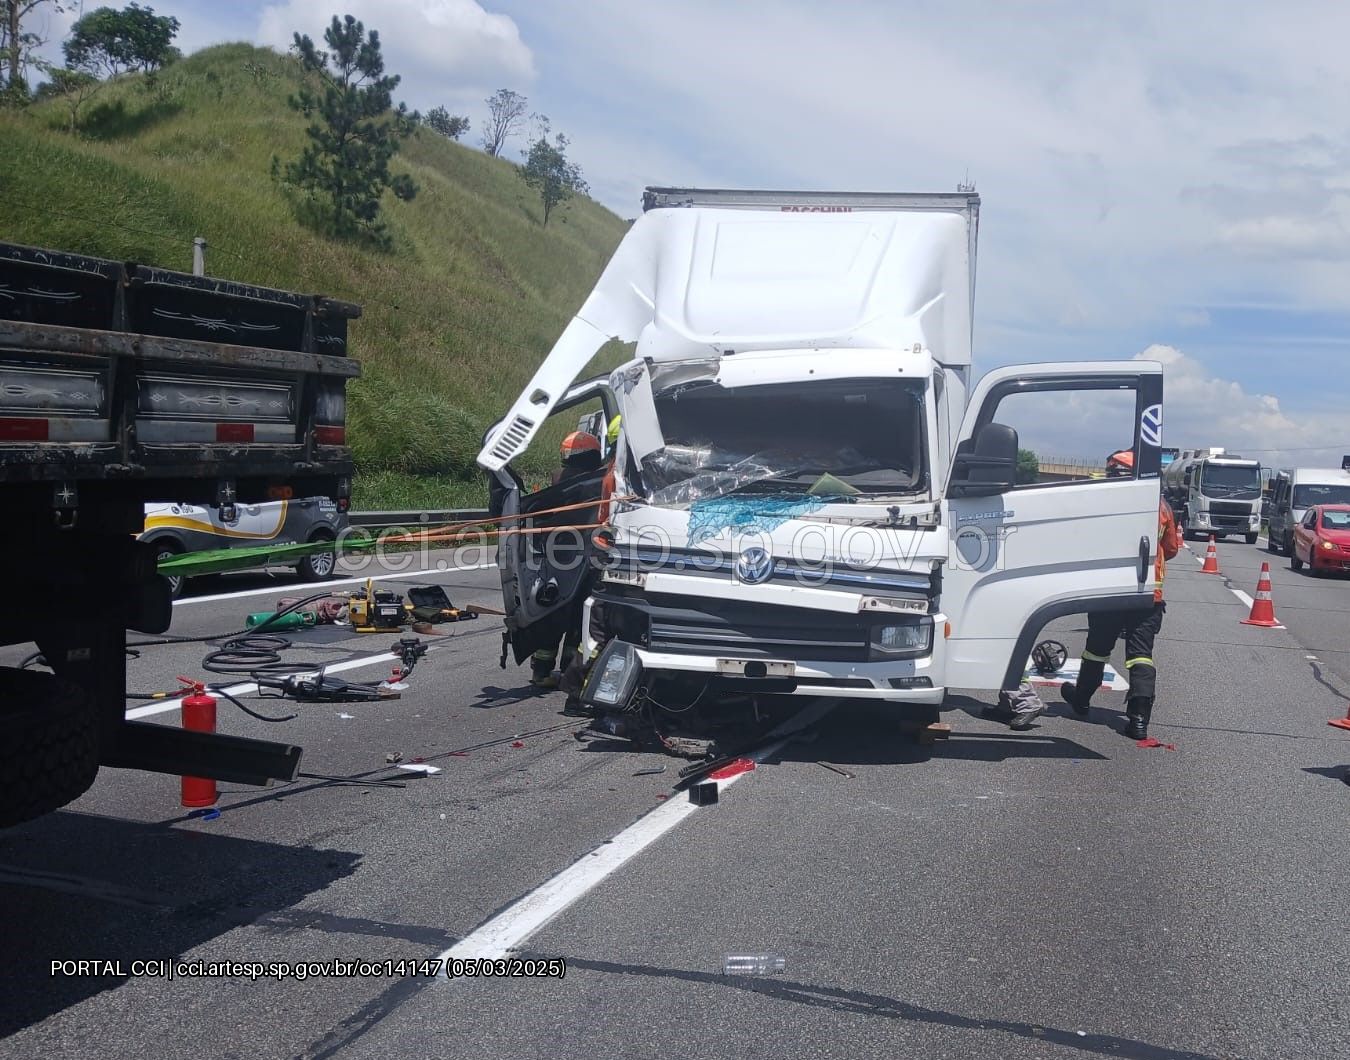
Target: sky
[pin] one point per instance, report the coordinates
(1157, 180)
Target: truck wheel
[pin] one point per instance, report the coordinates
(1251, 538)
(48, 746)
(318, 567)
(167, 550)
(1294, 562)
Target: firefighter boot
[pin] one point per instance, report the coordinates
(541, 670)
(1079, 694)
(1138, 710)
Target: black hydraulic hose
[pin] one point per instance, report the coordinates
(259, 628)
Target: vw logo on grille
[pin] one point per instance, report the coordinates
(753, 566)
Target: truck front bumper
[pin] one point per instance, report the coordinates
(902, 681)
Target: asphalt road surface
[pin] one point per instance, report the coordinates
(1055, 893)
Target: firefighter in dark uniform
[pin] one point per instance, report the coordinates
(1139, 629)
(580, 456)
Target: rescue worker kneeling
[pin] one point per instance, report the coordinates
(1138, 627)
(580, 456)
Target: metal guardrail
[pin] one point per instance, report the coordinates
(434, 517)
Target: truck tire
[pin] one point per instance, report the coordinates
(167, 548)
(48, 744)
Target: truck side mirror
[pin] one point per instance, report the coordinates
(987, 467)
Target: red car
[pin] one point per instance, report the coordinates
(1322, 539)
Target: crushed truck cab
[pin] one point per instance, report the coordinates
(809, 496)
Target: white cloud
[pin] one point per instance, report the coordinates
(1202, 410)
(1084, 133)
(448, 52)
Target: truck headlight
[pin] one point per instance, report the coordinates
(903, 638)
(615, 676)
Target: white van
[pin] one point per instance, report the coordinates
(1295, 491)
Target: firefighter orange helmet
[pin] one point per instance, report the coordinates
(577, 443)
(1120, 463)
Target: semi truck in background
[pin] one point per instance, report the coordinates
(1215, 492)
(811, 493)
(123, 385)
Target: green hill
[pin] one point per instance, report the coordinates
(457, 315)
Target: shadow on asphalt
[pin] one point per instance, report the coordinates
(869, 734)
(1341, 773)
(83, 887)
(494, 696)
(879, 1006)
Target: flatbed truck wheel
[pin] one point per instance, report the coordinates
(48, 744)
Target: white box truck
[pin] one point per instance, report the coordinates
(810, 497)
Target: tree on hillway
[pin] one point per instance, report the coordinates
(447, 124)
(75, 87)
(110, 42)
(353, 131)
(1028, 466)
(548, 171)
(19, 39)
(506, 112)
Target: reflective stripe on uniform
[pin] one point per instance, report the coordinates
(1141, 660)
(1089, 657)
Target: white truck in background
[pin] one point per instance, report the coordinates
(1215, 492)
(811, 496)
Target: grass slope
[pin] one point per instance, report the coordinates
(457, 315)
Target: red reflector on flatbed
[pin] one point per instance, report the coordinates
(234, 432)
(330, 435)
(22, 429)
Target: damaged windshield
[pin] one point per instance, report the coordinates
(833, 438)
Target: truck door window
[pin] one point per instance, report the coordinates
(540, 465)
(1067, 435)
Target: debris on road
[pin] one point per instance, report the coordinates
(753, 964)
(650, 772)
(836, 769)
(704, 794)
(394, 756)
(1149, 741)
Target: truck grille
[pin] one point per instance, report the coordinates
(797, 634)
(1242, 508)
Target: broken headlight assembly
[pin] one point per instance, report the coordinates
(614, 678)
(902, 640)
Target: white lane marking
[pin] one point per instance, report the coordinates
(509, 928)
(249, 687)
(304, 588)
(1243, 598)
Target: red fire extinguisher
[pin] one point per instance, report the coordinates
(199, 715)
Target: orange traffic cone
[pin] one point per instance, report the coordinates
(1341, 723)
(1211, 559)
(1263, 607)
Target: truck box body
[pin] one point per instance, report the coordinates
(808, 483)
(139, 380)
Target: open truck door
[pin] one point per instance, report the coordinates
(547, 567)
(1024, 553)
